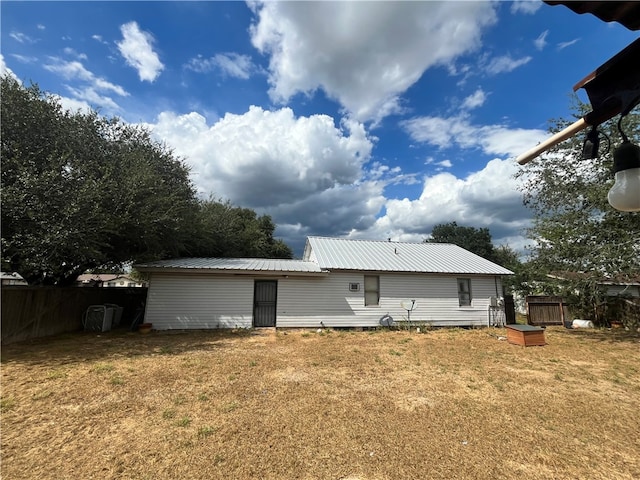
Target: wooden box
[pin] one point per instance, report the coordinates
(525, 335)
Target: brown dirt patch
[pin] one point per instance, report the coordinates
(454, 404)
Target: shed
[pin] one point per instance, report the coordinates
(338, 283)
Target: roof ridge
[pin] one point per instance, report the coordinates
(380, 241)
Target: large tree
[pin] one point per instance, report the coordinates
(574, 227)
(476, 240)
(577, 235)
(224, 230)
(82, 192)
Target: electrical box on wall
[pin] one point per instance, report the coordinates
(354, 287)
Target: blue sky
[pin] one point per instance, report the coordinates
(354, 119)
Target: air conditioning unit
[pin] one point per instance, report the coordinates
(117, 313)
(98, 318)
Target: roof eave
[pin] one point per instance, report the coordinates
(230, 271)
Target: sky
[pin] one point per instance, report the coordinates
(369, 120)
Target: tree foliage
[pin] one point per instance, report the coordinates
(223, 230)
(574, 228)
(81, 192)
(476, 240)
(479, 241)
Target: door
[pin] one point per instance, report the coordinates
(264, 303)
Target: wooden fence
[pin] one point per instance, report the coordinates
(31, 312)
(545, 310)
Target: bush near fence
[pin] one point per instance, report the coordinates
(32, 312)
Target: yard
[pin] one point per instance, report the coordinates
(450, 404)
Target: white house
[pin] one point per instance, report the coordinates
(107, 280)
(338, 283)
(12, 278)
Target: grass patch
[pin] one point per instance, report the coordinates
(7, 404)
(42, 395)
(184, 422)
(169, 414)
(229, 407)
(104, 368)
(56, 374)
(380, 404)
(206, 431)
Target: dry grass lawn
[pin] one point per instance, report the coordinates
(449, 404)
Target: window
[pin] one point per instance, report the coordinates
(464, 292)
(371, 290)
(354, 287)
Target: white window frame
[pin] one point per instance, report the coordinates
(464, 294)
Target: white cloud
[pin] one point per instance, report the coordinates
(23, 58)
(563, 45)
(230, 64)
(505, 64)
(4, 70)
(71, 52)
(445, 163)
(74, 70)
(459, 131)
(487, 198)
(88, 89)
(73, 104)
(89, 96)
(137, 49)
(306, 172)
(541, 41)
(475, 100)
(21, 37)
(364, 55)
(528, 7)
(99, 39)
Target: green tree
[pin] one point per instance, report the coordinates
(224, 230)
(574, 228)
(80, 191)
(476, 240)
(479, 241)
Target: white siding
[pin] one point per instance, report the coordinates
(317, 302)
(202, 301)
(199, 301)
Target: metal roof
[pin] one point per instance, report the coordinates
(381, 256)
(233, 265)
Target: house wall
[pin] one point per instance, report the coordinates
(202, 301)
(327, 301)
(190, 301)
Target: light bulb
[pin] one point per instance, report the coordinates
(625, 193)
